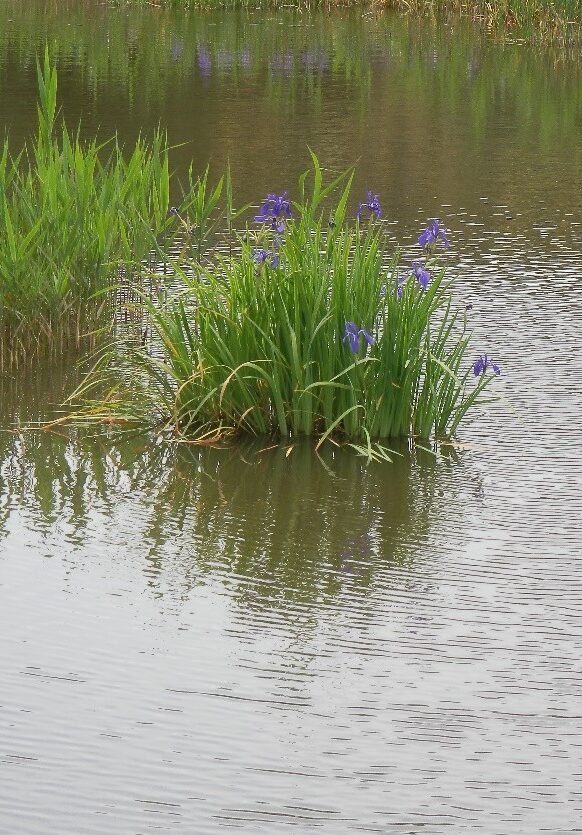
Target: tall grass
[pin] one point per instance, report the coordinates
(308, 330)
(546, 19)
(550, 19)
(75, 219)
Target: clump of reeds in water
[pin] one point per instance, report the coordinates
(308, 329)
(76, 219)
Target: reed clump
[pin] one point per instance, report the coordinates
(76, 219)
(307, 328)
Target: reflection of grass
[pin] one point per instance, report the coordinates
(279, 530)
(149, 53)
(546, 19)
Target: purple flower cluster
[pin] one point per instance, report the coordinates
(372, 205)
(352, 334)
(419, 272)
(483, 363)
(266, 256)
(275, 208)
(433, 234)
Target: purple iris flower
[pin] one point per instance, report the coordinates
(433, 234)
(266, 256)
(260, 255)
(482, 363)
(419, 272)
(422, 275)
(371, 204)
(274, 208)
(352, 335)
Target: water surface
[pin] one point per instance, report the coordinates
(200, 640)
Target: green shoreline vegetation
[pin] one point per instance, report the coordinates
(76, 219)
(302, 325)
(548, 20)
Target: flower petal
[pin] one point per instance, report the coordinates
(426, 238)
(479, 366)
(367, 336)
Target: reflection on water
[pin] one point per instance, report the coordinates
(427, 111)
(198, 638)
(239, 510)
(195, 639)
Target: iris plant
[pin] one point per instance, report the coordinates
(294, 365)
(352, 334)
(432, 235)
(483, 363)
(372, 205)
(274, 209)
(419, 272)
(400, 288)
(266, 256)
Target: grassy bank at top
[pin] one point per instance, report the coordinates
(550, 20)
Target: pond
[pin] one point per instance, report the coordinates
(195, 640)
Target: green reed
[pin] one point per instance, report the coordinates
(76, 219)
(259, 341)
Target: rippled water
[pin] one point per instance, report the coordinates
(197, 640)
